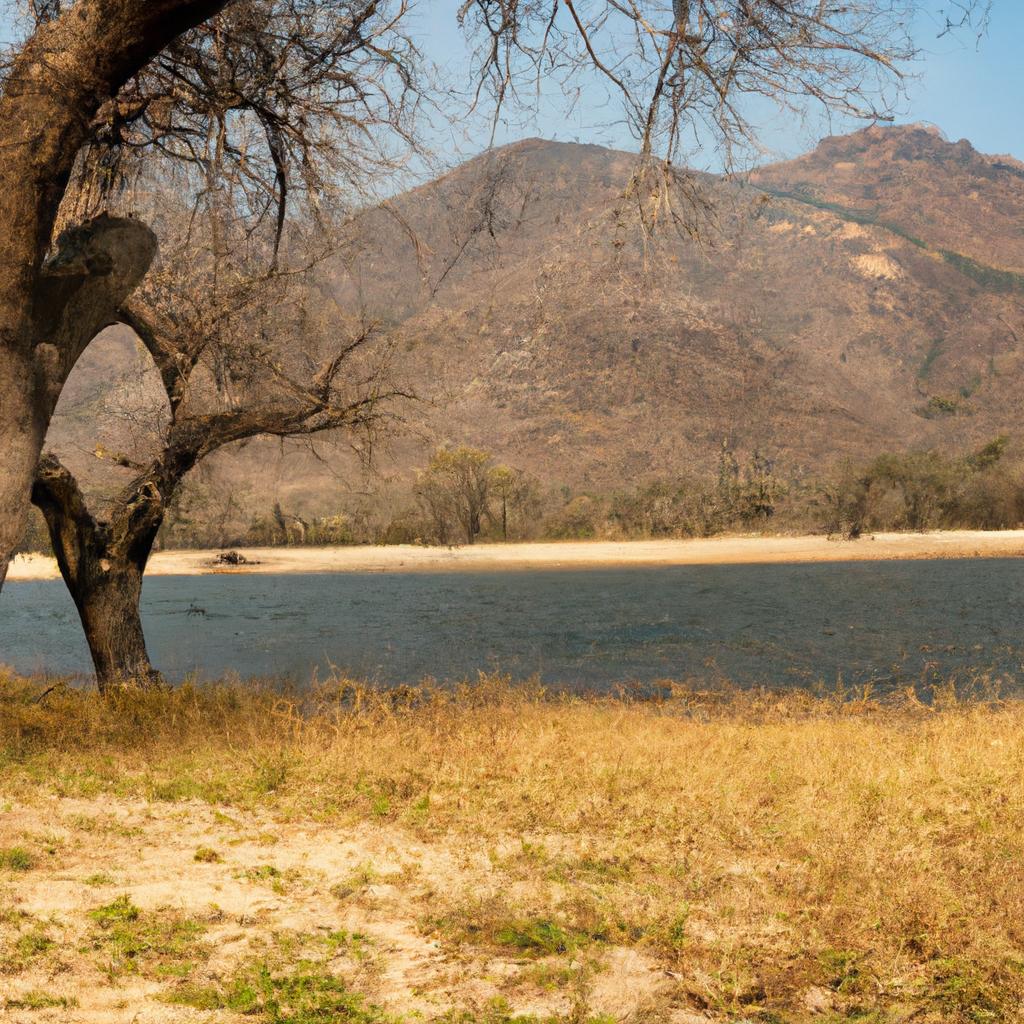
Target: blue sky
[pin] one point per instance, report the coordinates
(975, 92)
(970, 88)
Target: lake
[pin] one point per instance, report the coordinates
(887, 622)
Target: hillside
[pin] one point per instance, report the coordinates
(867, 295)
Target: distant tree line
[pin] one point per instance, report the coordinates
(924, 490)
(463, 495)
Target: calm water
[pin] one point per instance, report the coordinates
(795, 624)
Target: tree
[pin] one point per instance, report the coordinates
(515, 495)
(50, 309)
(760, 490)
(100, 89)
(455, 491)
(233, 363)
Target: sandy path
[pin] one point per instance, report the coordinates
(574, 554)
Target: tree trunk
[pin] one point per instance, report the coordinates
(21, 441)
(108, 605)
(50, 94)
(102, 564)
(79, 292)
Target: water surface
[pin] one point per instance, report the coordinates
(890, 622)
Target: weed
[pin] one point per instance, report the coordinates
(361, 878)
(540, 937)
(99, 879)
(842, 969)
(159, 944)
(304, 994)
(35, 999)
(498, 1011)
(205, 855)
(16, 858)
(120, 911)
(32, 944)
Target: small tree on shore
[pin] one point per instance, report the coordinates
(461, 488)
(515, 497)
(455, 492)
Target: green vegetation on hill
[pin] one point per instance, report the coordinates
(990, 278)
(862, 217)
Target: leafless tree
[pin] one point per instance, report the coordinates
(256, 354)
(275, 101)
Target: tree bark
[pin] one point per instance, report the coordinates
(21, 440)
(102, 565)
(108, 605)
(77, 295)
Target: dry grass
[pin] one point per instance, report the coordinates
(517, 855)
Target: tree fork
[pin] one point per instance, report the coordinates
(79, 292)
(102, 565)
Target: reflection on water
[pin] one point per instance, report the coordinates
(891, 622)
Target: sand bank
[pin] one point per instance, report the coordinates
(573, 554)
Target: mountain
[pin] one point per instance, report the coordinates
(866, 296)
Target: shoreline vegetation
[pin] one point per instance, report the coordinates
(721, 550)
(499, 854)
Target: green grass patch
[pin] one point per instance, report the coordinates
(498, 1011)
(33, 944)
(36, 999)
(541, 937)
(99, 879)
(16, 858)
(305, 994)
(155, 945)
(120, 911)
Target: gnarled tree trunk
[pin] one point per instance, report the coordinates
(107, 596)
(78, 294)
(102, 565)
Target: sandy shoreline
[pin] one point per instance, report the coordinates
(572, 554)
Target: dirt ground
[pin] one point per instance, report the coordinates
(496, 854)
(216, 889)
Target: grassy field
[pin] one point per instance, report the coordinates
(501, 855)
